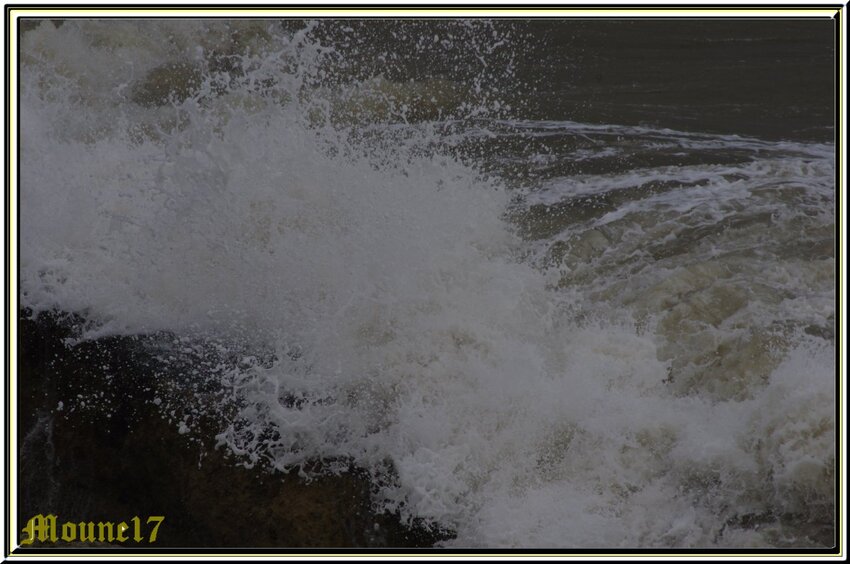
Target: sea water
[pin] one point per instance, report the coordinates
(541, 313)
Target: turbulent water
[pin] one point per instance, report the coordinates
(533, 330)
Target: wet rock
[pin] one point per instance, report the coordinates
(411, 101)
(98, 445)
(31, 24)
(166, 83)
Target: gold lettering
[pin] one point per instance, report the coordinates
(29, 530)
(137, 526)
(41, 528)
(159, 519)
(107, 527)
(69, 532)
(44, 528)
(122, 526)
(87, 536)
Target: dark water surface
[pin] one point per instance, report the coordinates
(771, 79)
(545, 283)
(767, 79)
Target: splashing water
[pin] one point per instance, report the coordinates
(533, 333)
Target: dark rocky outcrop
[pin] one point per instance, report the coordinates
(96, 444)
(169, 82)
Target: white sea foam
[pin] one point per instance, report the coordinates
(519, 405)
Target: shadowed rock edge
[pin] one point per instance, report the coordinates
(120, 456)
